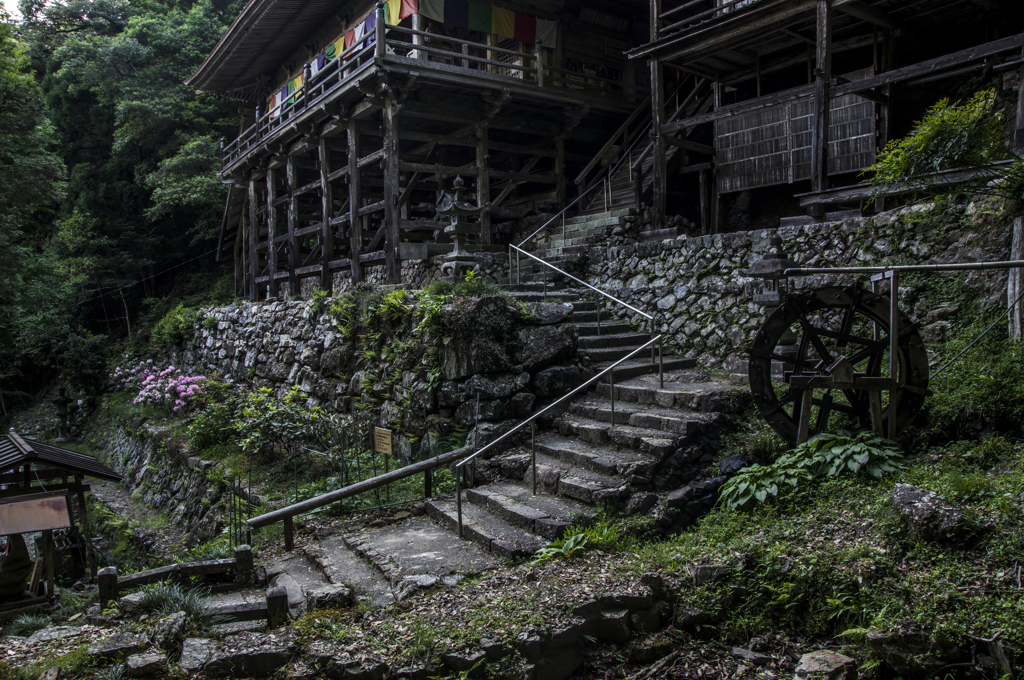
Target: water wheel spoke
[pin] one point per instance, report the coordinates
(845, 338)
(824, 410)
(812, 332)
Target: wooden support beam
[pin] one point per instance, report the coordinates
(689, 146)
(977, 53)
(293, 219)
(392, 266)
(21, 490)
(355, 226)
(271, 231)
(250, 281)
(483, 183)
(865, 12)
(326, 210)
(819, 121)
(658, 156)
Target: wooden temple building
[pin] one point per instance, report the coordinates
(355, 116)
(805, 92)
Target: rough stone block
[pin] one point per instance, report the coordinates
(146, 665)
(118, 646)
(826, 665)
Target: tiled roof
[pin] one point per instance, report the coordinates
(16, 450)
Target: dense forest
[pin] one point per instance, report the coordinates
(108, 181)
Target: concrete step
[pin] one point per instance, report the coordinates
(599, 433)
(669, 421)
(483, 528)
(579, 454)
(643, 366)
(607, 340)
(698, 396)
(588, 328)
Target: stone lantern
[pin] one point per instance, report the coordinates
(774, 288)
(457, 209)
(61, 402)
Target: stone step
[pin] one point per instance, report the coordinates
(555, 476)
(521, 509)
(660, 234)
(606, 340)
(615, 353)
(655, 442)
(588, 328)
(483, 528)
(563, 509)
(670, 421)
(580, 454)
(644, 366)
(610, 214)
(704, 396)
(517, 288)
(550, 296)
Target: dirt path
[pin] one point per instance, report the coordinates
(156, 537)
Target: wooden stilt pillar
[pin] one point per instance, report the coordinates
(293, 219)
(705, 216)
(715, 211)
(392, 266)
(1015, 283)
(819, 121)
(417, 25)
(250, 281)
(355, 228)
(560, 171)
(658, 169)
(483, 183)
(271, 232)
(326, 213)
(886, 62)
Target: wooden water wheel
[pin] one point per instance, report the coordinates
(836, 368)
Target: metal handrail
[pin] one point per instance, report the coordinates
(610, 370)
(580, 281)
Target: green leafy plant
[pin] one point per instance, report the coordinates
(175, 327)
(317, 303)
(824, 455)
(26, 624)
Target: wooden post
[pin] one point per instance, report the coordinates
(392, 266)
(355, 228)
(819, 122)
(705, 218)
(381, 46)
(253, 228)
(289, 534)
(326, 212)
(715, 212)
(49, 557)
(107, 583)
(538, 50)
(90, 564)
(293, 219)
(1015, 283)
(560, 171)
(417, 25)
(658, 168)
(277, 607)
(272, 231)
(483, 183)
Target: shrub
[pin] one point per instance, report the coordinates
(160, 386)
(824, 455)
(175, 327)
(26, 624)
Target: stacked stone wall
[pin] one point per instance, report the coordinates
(695, 286)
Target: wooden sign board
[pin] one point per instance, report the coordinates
(34, 512)
(381, 440)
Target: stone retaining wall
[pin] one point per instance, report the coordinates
(694, 284)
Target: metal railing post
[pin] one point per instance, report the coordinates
(533, 454)
(661, 363)
(611, 381)
(458, 496)
(652, 338)
(598, 304)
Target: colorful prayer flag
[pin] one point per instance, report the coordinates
(392, 10)
(432, 9)
(547, 33)
(480, 17)
(409, 7)
(503, 22)
(526, 28)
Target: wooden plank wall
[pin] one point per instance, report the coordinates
(773, 145)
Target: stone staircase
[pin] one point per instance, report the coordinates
(575, 236)
(587, 457)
